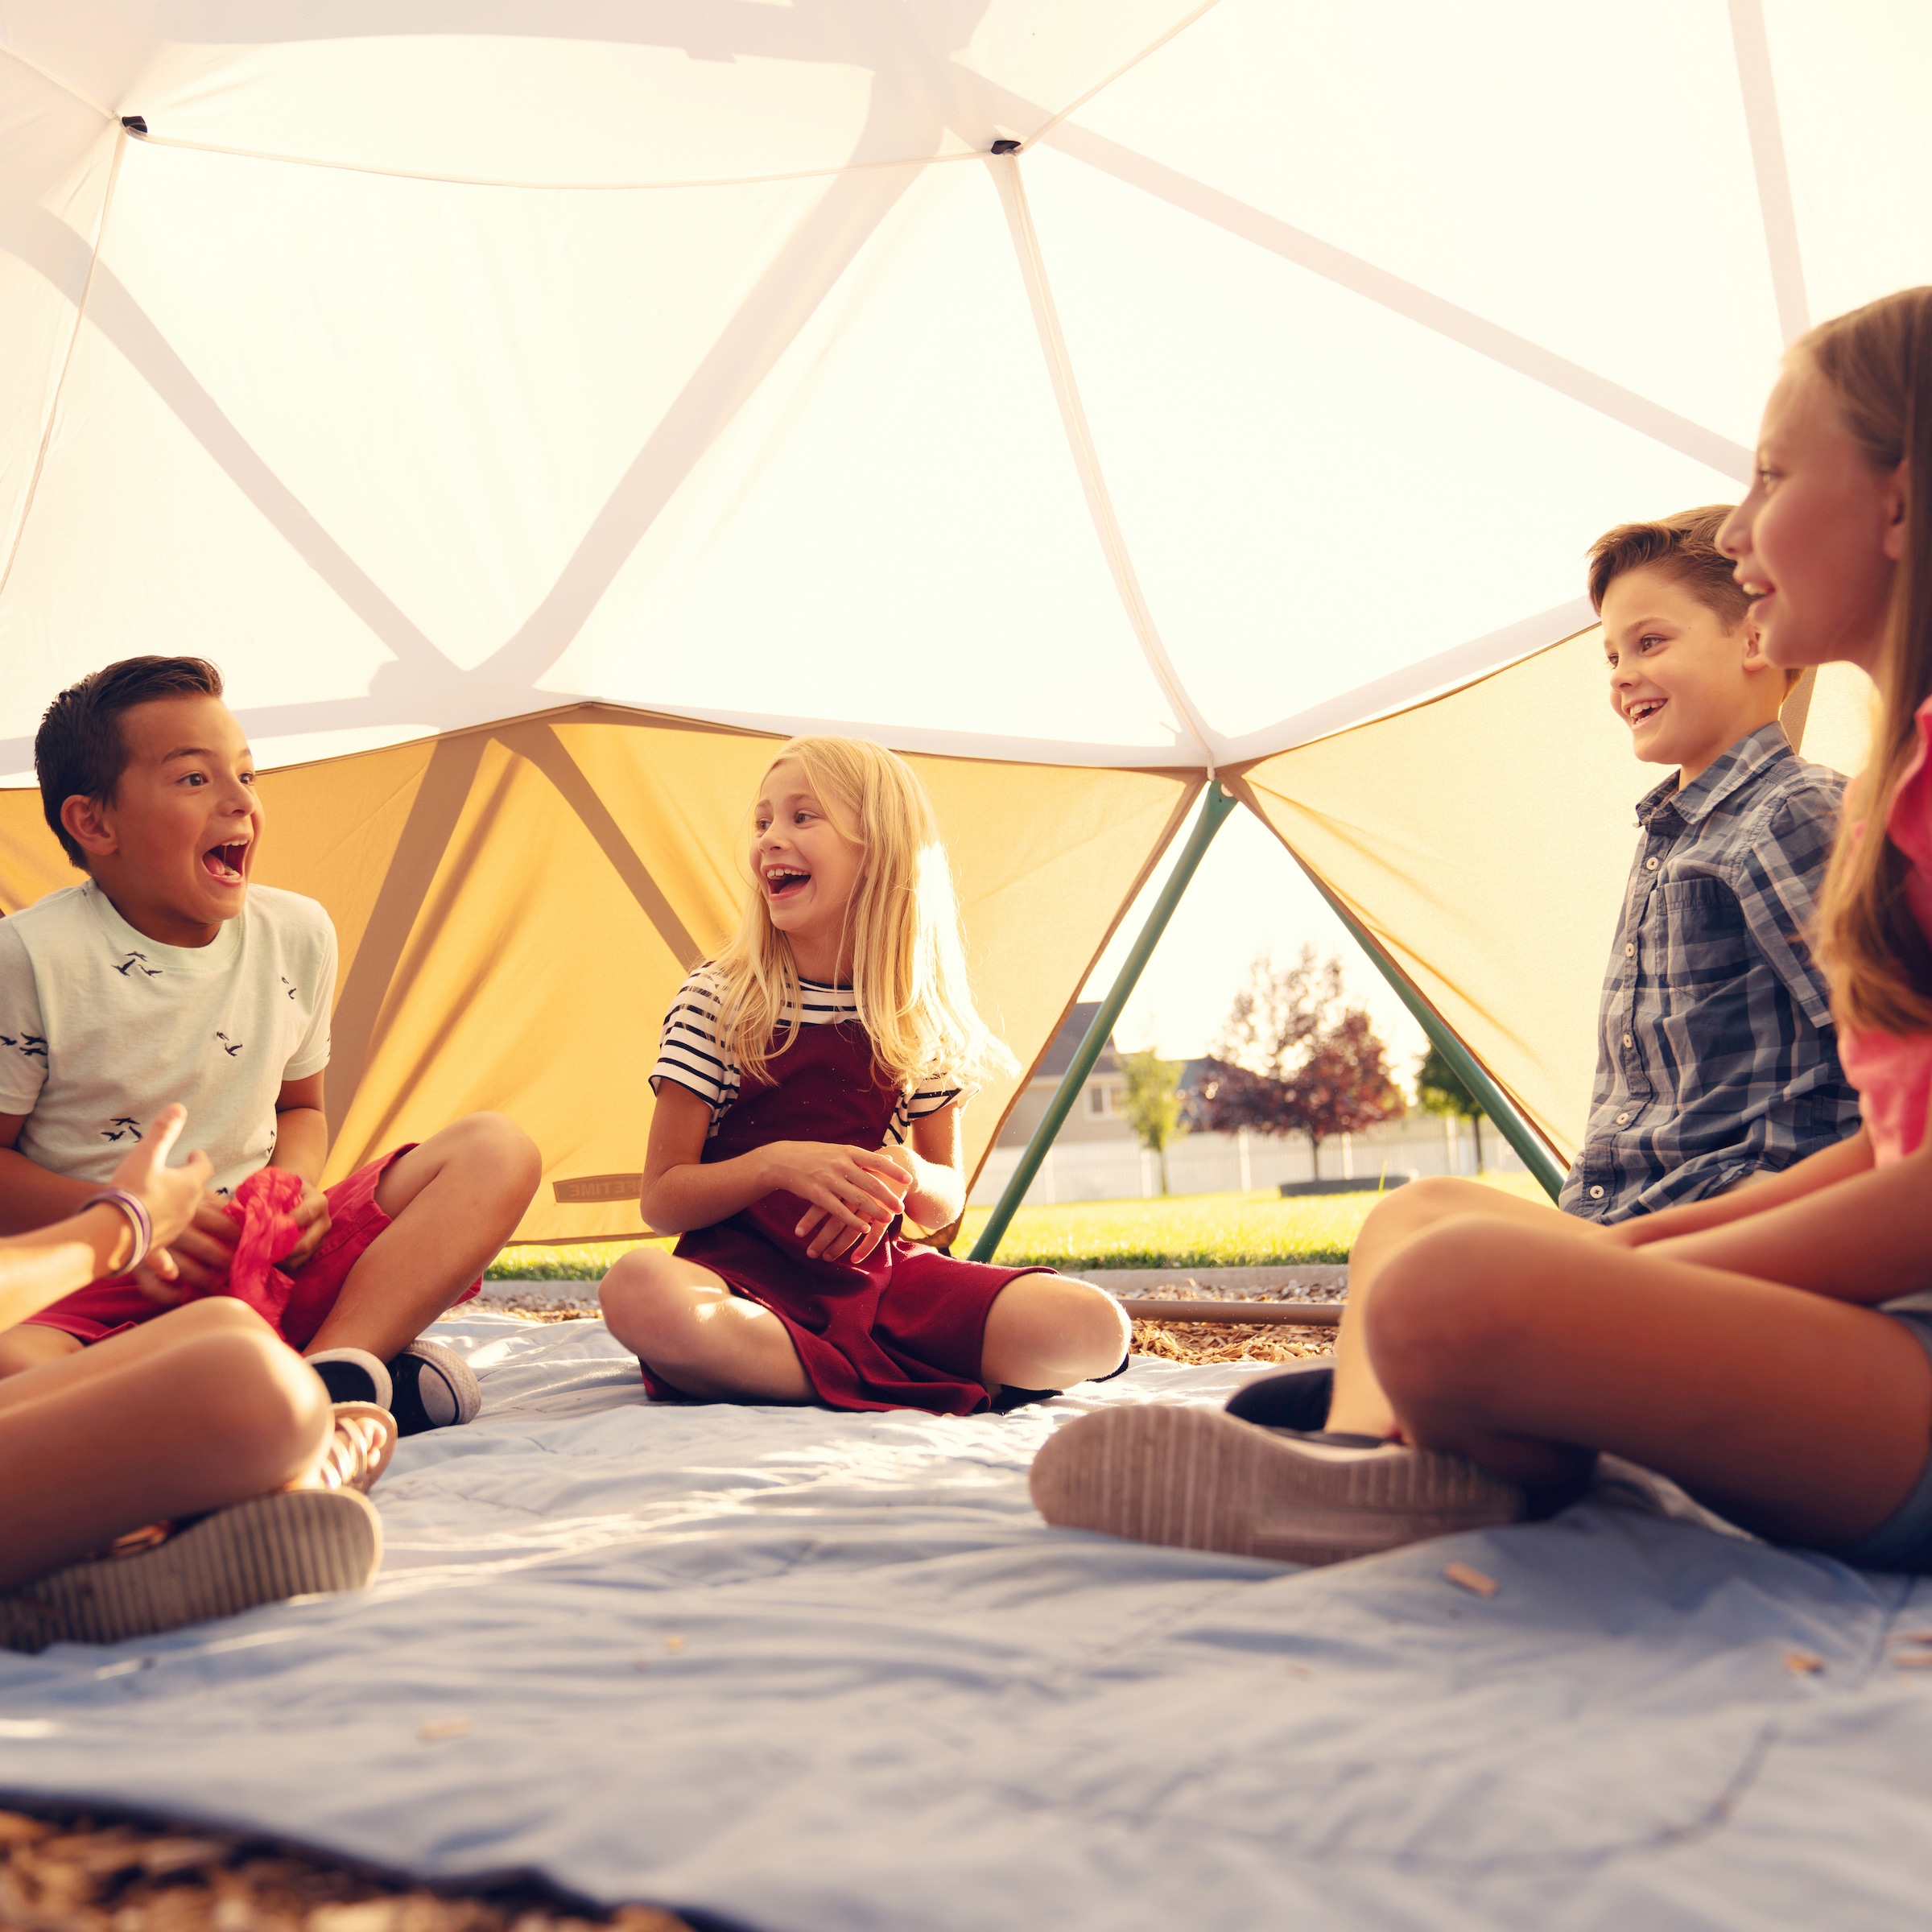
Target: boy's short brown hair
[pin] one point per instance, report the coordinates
(1686, 545)
(79, 751)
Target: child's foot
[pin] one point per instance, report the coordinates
(296, 1542)
(1201, 1480)
(1296, 1398)
(427, 1386)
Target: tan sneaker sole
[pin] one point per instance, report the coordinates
(1199, 1479)
(296, 1542)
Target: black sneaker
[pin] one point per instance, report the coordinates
(353, 1375)
(1297, 1399)
(434, 1389)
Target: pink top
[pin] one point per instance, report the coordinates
(1893, 1076)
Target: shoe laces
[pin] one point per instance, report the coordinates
(358, 1446)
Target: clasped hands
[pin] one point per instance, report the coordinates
(194, 1258)
(855, 1193)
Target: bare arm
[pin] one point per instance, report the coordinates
(1865, 1238)
(848, 1186)
(36, 1269)
(301, 1128)
(938, 1194)
(31, 1196)
(1824, 1169)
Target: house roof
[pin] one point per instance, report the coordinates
(1066, 1043)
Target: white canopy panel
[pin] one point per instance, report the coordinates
(427, 364)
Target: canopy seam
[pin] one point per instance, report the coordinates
(1417, 304)
(53, 79)
(19, 534)
(1100, 87)
(1079, 436)
(1751, 41)
(572, 187)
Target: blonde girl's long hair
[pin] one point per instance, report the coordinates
(909, 965)
(1879, 360)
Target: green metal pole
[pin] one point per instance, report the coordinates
(1510, 1124)
(1215, 805)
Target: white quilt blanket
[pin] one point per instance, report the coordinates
(792, 1670)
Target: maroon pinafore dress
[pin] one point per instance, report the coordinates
(901, 1329)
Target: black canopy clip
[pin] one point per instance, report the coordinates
(1006, 147)
(135, 124)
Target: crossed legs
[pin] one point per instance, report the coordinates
(452, 1202)
(1042, 1332)
(1359, 1404)
(202, 1407)
(1515, 1339)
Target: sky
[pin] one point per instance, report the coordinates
(1248, 897)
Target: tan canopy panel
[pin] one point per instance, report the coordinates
(516, 904)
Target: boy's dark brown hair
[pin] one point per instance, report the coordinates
(1686, 545)
(79, 751)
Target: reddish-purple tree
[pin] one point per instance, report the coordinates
(1292, 1059)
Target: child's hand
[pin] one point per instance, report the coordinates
(203, 1250)
(854, 1191)
(171, 1195)
(311, 1215)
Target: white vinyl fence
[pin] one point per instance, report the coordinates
(1220, 1163)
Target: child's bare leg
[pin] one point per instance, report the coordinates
(694, 1333)
(1358, 1404)
(1805, 1419)
(453, 1201)
(211, 1409)
(63, 1367)
(30, 1346)
(1047, 1331)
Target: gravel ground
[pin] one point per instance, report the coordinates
(80, 1873)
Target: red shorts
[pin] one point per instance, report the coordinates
(106, 1307)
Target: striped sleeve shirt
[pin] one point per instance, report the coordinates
(691, 1056)
(1716, 1055)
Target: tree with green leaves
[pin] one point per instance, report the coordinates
(1438, 1090)
(1154, 1103)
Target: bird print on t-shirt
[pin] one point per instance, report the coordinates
(121, 1128)
(289, 983)
(230, 1047)
(29, 1046)
(139, 959)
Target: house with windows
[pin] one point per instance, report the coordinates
(1100, 1114)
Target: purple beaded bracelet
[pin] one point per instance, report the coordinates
(139, 1219)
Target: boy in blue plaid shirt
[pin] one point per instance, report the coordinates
(1716, 1055)
(1717, 1058)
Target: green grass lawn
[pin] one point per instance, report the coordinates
(1258, 1230)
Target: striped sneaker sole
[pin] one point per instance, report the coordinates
(1198, 1479)
(297, 1542)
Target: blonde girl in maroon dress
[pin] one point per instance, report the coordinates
(809, 1086)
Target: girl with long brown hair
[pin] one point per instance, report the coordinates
(1742, 1345)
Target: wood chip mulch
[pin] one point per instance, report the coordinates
(1230, 1342)
(80, 1874)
